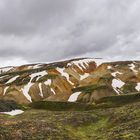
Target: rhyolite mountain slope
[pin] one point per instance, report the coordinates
(82, 80)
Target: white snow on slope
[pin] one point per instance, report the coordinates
(84, 76)
(116, 84)
(132, 67)
(12, 79)
(5, 69)
(61, 70)
(13, 112)
(109, 67)
(48, 82)
(5, 89)
(99, 61)
(115, 73)
(53, 91)
(80, 63)
(25, 91)
(40, 88)
(74, 96)
(138, 87)
(35, 66)
(84, 62)
(39, 74)
(1, 77)
(27, 87)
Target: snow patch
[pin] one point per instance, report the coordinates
(61, 70)
(35, 66)
(5, 69)
(13, 112)
(115, 73)
(26, 88)
(40, 88)
(86, 61)
(109, 67)
(5, 89)
(138, 87)
(12, 79)
(132, 67)
(39, 74)
(25, 91)
(116, 84)
(48, 82)
(74, 96)
(53, 91)
(84, 76)
(82, 63)
(99, 61)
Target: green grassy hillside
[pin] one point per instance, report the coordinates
(113, 118)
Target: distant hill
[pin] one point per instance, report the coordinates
(83, 80)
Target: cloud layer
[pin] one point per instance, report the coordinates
(50, 30)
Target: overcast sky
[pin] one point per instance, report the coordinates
(50, 30)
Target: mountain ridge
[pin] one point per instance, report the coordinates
(77, 80)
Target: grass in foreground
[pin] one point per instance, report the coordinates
(119, 119)
(119, 123)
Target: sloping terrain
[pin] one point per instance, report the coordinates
(112, 123)
(43, 81)
(87, 99)
(79, 80)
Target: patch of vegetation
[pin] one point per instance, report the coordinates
(8, 105)
(61, 106)
(89, 89)
(92, 130)
(129, 87)
(5, 79)
(19, 81)
(120, 123)
(116, 101)
(106, 78)
(46, 77)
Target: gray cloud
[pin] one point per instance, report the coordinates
(48, 30)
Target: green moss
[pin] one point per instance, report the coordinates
(129, 87)
(61, 106)
(115, 101)
(127, 136)
(106, 79)
(46, 77)
(120, 123)
(90, 130)
(89, 89)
